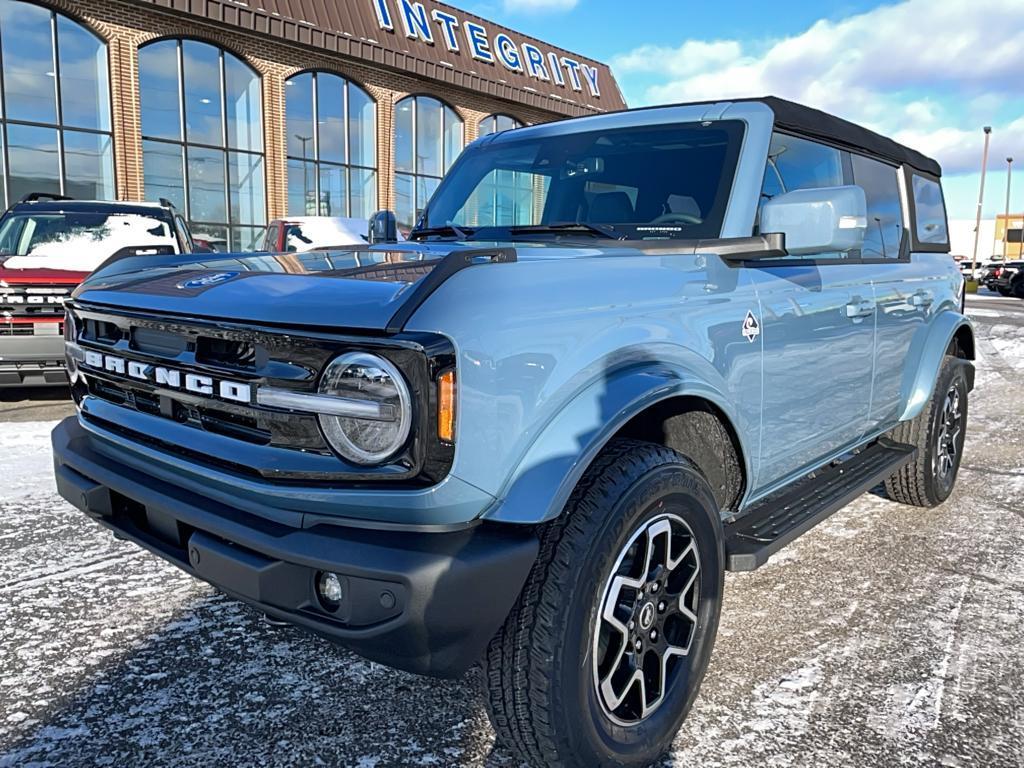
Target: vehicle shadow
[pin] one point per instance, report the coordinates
(217, 685)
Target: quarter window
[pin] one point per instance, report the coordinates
(202, 139)
(428, 139)
(885, 214)
(332, 147)
(930, 211)
(56, 106)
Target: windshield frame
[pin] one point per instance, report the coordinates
(712, 227)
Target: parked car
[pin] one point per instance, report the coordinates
(48, 244)
(309, 233)
(620, 355)
(1007, 279)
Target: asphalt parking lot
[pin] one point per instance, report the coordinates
(887, 637)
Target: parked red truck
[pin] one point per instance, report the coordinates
(49, 244)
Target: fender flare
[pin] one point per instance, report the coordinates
(544, 479)
(931, 344)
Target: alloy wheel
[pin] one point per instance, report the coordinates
(647, 620)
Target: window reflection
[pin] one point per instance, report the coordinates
(497, 124)
(428, 139)
(54, 77)
(331, 126)
(203, 138)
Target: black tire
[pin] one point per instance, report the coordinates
(927, 481)
(540, 685)
(1017, 289)
(1003, 291)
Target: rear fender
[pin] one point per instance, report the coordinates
(928, 349)
(541, 484)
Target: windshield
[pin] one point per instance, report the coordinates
(77, 241)
(653, 182)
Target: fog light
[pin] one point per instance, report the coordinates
(328, 589)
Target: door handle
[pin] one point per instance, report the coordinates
(859, 308)
(922, 300)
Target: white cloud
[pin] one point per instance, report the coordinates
(538, 6)
(928, 72)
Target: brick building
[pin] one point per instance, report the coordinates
(241, 112)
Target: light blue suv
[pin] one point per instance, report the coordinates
(618, 356)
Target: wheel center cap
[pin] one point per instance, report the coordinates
(647, 614)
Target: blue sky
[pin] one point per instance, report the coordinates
(929, 72)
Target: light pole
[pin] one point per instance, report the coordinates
(305, 170)
(1006, 222)
(981, 200)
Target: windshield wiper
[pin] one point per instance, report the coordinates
(599, 230)
(461, 233)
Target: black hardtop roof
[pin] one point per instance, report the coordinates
(821, 125)
(46, 205)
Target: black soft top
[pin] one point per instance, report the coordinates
(821, 125)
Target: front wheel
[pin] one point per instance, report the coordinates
(603, 655)
(938, 433)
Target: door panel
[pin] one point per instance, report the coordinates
(818, 335)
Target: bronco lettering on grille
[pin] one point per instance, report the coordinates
(169, 377)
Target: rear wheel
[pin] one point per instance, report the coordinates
(938, 433)
(603, 655)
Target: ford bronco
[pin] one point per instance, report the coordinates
(619, 356)
(48, 244)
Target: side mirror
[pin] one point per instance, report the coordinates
(202, 246)
(826, 220)
(383, 228)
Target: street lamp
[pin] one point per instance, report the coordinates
(305, 170)
(1006, 222)
(981, 200)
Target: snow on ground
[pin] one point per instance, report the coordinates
(887, 637)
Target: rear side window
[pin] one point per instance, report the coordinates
(930, 211)
(885, 214)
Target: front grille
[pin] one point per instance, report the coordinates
(250, 438)
(31, 329)
(33, 301)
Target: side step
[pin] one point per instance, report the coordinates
(780, 519)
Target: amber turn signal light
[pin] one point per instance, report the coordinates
(446, 407)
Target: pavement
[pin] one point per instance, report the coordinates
(888, 636)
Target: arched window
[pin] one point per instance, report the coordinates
(428, 138)
(202, 139)
(56, 106)
(332, 147)
(497, 124)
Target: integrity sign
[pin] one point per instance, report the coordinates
(441, 27)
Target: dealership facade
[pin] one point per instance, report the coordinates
(239, 113)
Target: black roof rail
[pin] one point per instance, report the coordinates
(167, 203)
(33, 197)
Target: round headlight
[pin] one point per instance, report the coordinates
(360, 376)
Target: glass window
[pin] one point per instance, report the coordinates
(652, 182)
(88, 165)
(497, 124)
(30, 80)
(930, 210)
(55, 79)
(159, 89)
(429, 137)
(34, 165)
(202, 130)
(795, 163)
(332, 133)
(84, 82)
(885, 214)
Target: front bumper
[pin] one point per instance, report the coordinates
(423, 602)
(32, 361)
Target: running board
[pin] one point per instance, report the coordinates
(780, 519)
